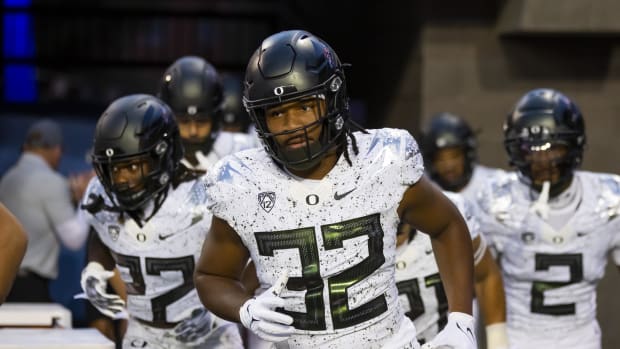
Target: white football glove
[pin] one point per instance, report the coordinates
(94, 282)
(259, 315)
(458, 333)
(194, 330)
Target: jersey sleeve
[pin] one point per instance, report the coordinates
(468, 211)
(412, 164)
(93, 189)
(609, 205)
(615, 252)
(219, 188)
(489, 228)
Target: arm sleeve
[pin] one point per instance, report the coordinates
(73, 232)
(412, 164)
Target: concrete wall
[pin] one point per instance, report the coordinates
(471, 71)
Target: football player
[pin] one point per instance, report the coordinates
(450, 153)
(317, 211)
(149, 215)
(192, 88)
(553, 226)
(421, 289)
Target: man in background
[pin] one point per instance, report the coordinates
(43, 201)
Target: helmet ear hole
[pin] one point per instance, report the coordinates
(161, 148)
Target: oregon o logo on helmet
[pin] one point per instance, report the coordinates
(278, 91)
(109, 152)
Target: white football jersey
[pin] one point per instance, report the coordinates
(417, 276)
(226, 143)
(157, 261)
(335, 237)
(550, 274)
(479, 179)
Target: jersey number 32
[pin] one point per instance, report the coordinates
(333, 235)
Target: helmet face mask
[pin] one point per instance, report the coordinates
(300, 147)
(544, 138)
(136, 150)
(296, 66)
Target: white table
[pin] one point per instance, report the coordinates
(53, 338)
(34, 315)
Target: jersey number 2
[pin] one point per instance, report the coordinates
(544, 262)
(311, 281)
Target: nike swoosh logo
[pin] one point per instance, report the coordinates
(468, 330)
(164, 237)
(340, 196)
(195, 220)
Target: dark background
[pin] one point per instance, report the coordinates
(67, 60)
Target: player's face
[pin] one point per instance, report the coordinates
(295, 115)
(544, 161)
(449, 164)
(130, 175)
(193, 129)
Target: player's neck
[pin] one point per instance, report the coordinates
(321, 169)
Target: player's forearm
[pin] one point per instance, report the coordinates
(118, 285)
(99, 252)
(221, 295)
(490, 292)
(453, 252)
(12, 249)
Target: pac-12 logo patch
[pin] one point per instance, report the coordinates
(266, 200)
(114, 231)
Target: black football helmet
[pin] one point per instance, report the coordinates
(234, 114)
(543, 118)
(448, 130)
(291, 66)
(137, 128)
(192, 88)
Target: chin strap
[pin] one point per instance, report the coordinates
(541, 206)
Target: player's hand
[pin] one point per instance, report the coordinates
(458, 334)
(194, 329)
(259, 315)
(94, 282)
